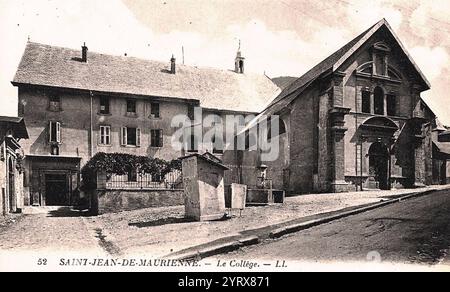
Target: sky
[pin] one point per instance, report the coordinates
(278, 38)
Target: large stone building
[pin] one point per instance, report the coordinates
(355, 121)
(12, 130)
(78, 103)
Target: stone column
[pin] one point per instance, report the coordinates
(338, 129)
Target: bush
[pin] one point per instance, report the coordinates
(122, 164)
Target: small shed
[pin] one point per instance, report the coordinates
(203, 181)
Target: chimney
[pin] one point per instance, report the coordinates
(173, 66)
(84, 52)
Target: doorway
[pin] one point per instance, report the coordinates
(11, 186)
(379, 164)
(57, 190)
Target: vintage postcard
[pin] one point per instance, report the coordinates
(224, 136)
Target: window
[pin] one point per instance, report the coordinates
(380, 63)
(217, 145)
(105, 135)
(241, 66)
(130, 137)
(378, 101)
(131, 106)
(104, 105)
(391, 105)
(54, 132)
(191, 112)
(54, 103)
(156, 138)
(365, 102)
(281, 128)
(193, 144)
(155, 113)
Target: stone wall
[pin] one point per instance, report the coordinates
(112, 201)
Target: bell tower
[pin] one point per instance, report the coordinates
(239, 61)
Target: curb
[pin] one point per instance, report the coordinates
(277, 233)
(218, 249)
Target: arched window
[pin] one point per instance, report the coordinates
(378, 101)
(241, 66)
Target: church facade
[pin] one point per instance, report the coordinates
(355, 121)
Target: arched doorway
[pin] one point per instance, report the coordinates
(11, 186)
(379, 164)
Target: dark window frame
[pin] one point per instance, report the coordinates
(155, 110)
(131, 106)
(366, 104)
(156, 138)
(105, 102)
(54, 102)
(217, 143)
(378, 101)
(391, 100)
(133, 140)
(193, 144)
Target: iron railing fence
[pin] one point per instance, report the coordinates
(136, 181)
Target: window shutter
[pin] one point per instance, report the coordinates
(152, 138)
(58, 132)
(50, 132)
(138, 137)
(161, 138)
(108, 135)
(123, 136)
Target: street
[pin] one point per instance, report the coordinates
(415, 231)
(53, 232)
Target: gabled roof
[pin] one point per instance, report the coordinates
(217, 89)
(332, 64)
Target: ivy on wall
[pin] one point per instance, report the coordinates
(122, 164)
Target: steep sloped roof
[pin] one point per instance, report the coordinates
(331, 64)
(284, 81)
(214, 88)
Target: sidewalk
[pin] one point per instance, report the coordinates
(160, 232)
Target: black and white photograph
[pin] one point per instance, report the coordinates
(229, 136)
